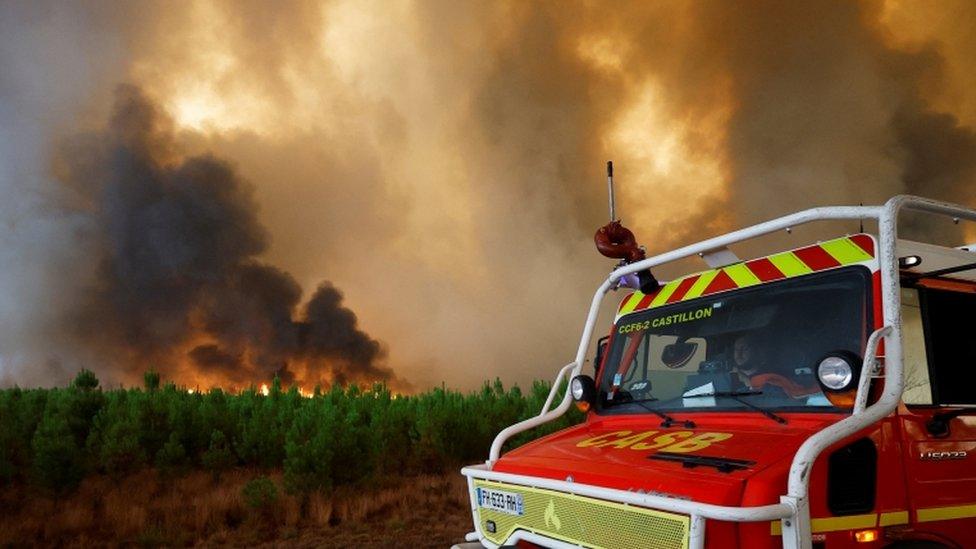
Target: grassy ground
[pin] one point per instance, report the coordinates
(147, 509)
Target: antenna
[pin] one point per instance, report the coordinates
(613, 215)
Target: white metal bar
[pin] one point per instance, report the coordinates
(796, 529)
(761, 229)
(696, 535)
(511, 430)
(555, 387)
(891, 308)
(759, 513)
(868, 369)
(919, 204)
(474, 510)
(806, 455)
(522, 535)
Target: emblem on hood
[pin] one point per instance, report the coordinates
(552, 520)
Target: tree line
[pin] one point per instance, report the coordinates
(51, 439)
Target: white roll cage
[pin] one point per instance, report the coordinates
(793, 510)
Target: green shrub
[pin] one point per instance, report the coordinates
(85, 380)
(114, 443)
(150, 380)
(260, 493)
(172, 456)
(20, 413)
(56, 465)
(219, 457)
(309, 450)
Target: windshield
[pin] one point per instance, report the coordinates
(738, 350)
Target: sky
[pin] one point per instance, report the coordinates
(407, 191)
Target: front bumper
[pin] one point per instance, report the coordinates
(594, 516)
(579, 520)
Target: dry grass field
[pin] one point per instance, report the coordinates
(148, 510)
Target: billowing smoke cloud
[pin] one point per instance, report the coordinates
(441, 162)
(179, 285)
(831, 110)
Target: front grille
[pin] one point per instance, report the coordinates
(584, 521)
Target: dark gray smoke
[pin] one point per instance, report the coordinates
(178, 284)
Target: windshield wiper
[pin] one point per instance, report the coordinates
(734, 395)
(668, 420)
(723, 464)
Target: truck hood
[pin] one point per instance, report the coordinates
(709, 463)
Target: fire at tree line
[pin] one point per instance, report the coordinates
(50, 439)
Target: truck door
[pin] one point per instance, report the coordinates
(938, 431)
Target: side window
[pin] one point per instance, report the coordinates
(918, 389)
(951, 345)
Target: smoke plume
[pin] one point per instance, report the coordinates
(179, 284)
(441, 162)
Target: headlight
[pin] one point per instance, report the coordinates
(576, 387)
(583, 390)
(835, 373)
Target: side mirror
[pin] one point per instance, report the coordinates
(938, 426)
(583, 390)
(838, 374)
(601, 351)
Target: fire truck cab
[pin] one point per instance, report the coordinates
(817, 397)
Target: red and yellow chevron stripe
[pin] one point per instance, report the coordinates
(827, 255)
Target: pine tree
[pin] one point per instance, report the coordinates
(219, 457)
(56, 464)
(85, 380)
(150, 380)
(172, 456)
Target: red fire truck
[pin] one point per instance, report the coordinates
(818, 397)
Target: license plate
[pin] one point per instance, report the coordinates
(509, 503)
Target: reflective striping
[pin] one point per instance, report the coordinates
(888, 518)
(816, 258)
(789, 264)
(720, 283)
(764, 269)
(741, 275)
(945, 513)
(645, 301)
(682, 290)
(583, 521)
(831, 524)
(629, 303)
(664, 293)
(845, 251)
(864, 242)
(835, 253)
(698, 288)
(893, 518)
